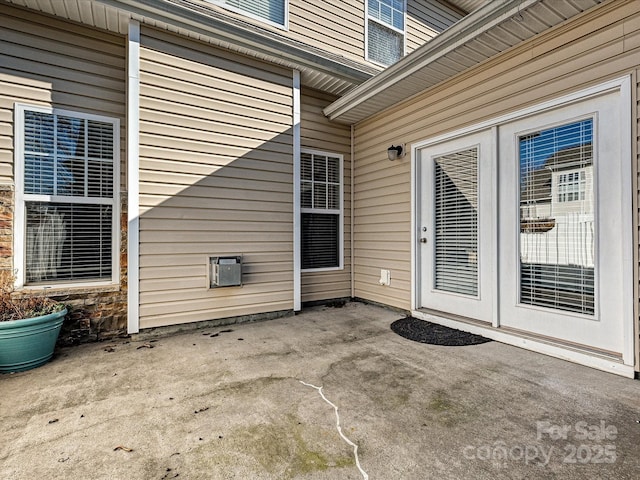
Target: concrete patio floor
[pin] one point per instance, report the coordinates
(197, 406)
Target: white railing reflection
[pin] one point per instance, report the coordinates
(571, 241)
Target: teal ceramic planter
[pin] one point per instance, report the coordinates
(28, 343)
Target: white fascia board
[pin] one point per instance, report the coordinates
(564, 352)
(281, 50)
(470, 27)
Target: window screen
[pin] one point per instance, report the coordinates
(456, 222)
(557, 240)
(321, 207)
(68, 192)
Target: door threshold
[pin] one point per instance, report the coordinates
(606, 361)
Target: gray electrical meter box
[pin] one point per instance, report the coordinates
(226, 271)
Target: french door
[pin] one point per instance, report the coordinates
(525, 224)
(561, 211)
(455, 235)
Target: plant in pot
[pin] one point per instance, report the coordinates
(29, 327)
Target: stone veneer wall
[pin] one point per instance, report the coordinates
(94, 313)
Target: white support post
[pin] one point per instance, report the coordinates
(297, 289)
(133, 175)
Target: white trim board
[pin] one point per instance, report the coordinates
(133, 177)
(547, 348)
(297, 222)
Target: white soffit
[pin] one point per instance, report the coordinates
(319, 69)
(489, 30)
(467, 5)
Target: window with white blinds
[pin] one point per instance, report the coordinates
(557, 205)
(385, 30)
(68, 167)
(456, 222)
(321, 209)
(274, 11)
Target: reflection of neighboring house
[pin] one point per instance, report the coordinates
(556, 210)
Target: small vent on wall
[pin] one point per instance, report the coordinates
(225, 271)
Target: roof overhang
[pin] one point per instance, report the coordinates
(488, 31)
(319, 69)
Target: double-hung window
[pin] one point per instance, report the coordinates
(66, 197)
(321, 208)
(271, 11)
(385, 30)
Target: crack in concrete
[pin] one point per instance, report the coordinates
(335, 408)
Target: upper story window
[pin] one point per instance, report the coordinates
(66, 197)
(271, 11)
(385, 30)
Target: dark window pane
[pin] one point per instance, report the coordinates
(71, 137)
(320, 237)
(38, 132)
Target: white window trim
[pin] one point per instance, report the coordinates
(232, 8)
(366, 33)
(329, 211)
(19, 236)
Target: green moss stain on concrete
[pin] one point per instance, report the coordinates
(288, 445)
(285, 448)
(442, 409)
(440, 402)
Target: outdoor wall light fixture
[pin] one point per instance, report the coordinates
(395, 152)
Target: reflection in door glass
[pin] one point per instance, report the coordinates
(557, 239)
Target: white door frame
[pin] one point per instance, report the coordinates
(624, 367)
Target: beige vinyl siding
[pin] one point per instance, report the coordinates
(338, 26)
(216, 175)
(333, 25)
(603, 44)
(425, 20)
(316, 133)
(46, 61)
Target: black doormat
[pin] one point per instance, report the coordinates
(434, 334)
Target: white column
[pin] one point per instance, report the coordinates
(297, 289)
(133, 176)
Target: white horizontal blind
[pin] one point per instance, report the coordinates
(68, 241)
(557, 230)
(456, 222)
(68, 192)
(271, 10)
(321, 193)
